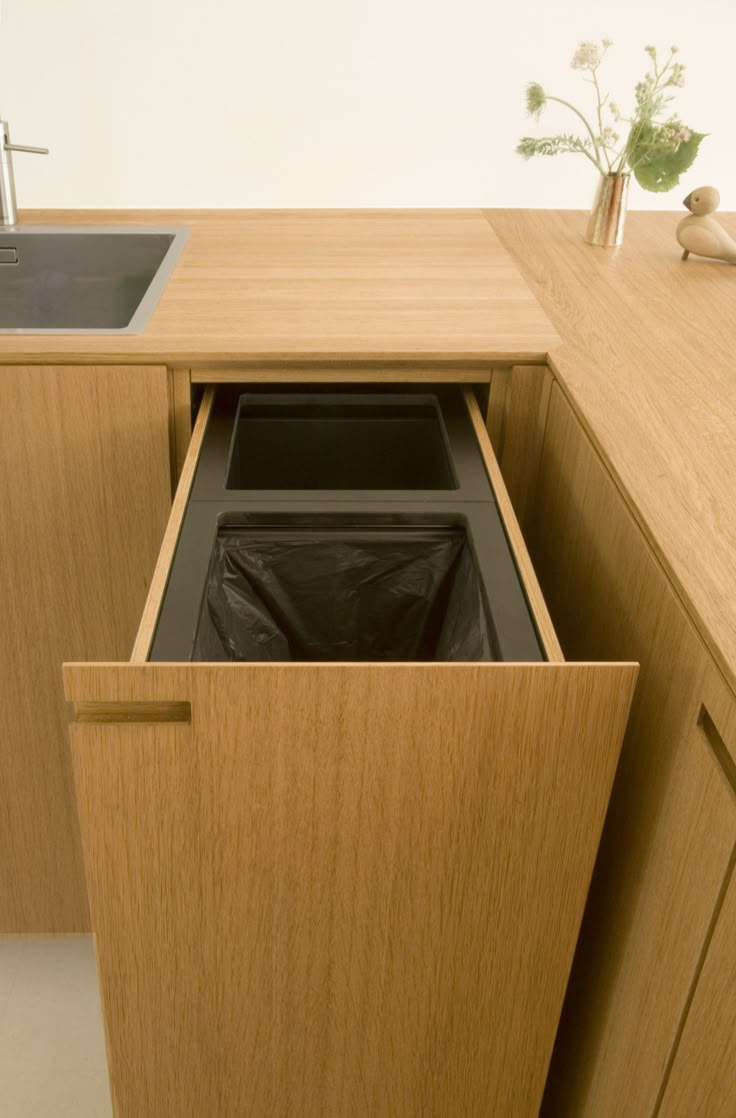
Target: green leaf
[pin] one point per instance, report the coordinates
(659, 169)
(655, 178)
(684, 157)
(529, 146)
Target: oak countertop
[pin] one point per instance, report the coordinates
(317, 285)
(643, 343)
(648, 360)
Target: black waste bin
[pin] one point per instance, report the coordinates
(338, 442)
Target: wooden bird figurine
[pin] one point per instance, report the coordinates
(700, 232)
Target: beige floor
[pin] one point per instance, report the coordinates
(52, 1048)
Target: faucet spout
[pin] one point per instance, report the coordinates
(8, 214)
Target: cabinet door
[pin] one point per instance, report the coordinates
(338, 889)
(85, 475)
(703, 1079)
(671, 824)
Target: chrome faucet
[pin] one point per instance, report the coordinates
(7, 182)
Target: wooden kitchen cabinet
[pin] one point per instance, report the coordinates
(703, 1078)
(84, 459)
(86, 455)
(338, 888)
(668, 844)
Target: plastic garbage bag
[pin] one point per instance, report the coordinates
(376, 594)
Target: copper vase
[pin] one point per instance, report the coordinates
(607, 218)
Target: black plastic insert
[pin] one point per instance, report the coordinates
(339, 442)
(326, 591)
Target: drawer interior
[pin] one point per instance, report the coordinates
(396, 552)
(359, 441)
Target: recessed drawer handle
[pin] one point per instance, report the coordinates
(126, 713)
(720, 750)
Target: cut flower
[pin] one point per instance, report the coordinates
(656, 148)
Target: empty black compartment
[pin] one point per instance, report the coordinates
(339, 442)
(362, 592)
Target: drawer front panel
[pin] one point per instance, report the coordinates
(341, 889)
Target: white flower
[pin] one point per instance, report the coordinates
(587, 56)
(535, 98)
(677, 77)
(682, 135)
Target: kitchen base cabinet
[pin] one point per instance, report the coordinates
(338, 888)
(703, 1079)
(670, 832)
(84, 458)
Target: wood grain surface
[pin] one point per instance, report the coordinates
(355, 372)
(498, 403)
(180, 390)
(527, 574)
(703, 1080)
(381, 284)
(671, 824)
(648, 356)
(170, 537)
(517, 418)
(344, 889)
(84, 462)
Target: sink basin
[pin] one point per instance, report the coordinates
(84, 279)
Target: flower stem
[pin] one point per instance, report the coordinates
(599, 111)
(597, 159)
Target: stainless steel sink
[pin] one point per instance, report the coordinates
(84, 279)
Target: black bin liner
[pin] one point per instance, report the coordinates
(343, 594)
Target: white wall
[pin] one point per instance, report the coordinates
(335, 102)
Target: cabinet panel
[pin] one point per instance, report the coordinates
(181, 416)
(670, 828)
(348, 888)
(338, 889)
(703, 1080)
(84, 463)
(517, 416)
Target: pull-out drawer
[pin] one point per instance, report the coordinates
(345, 526)
(344, 875)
